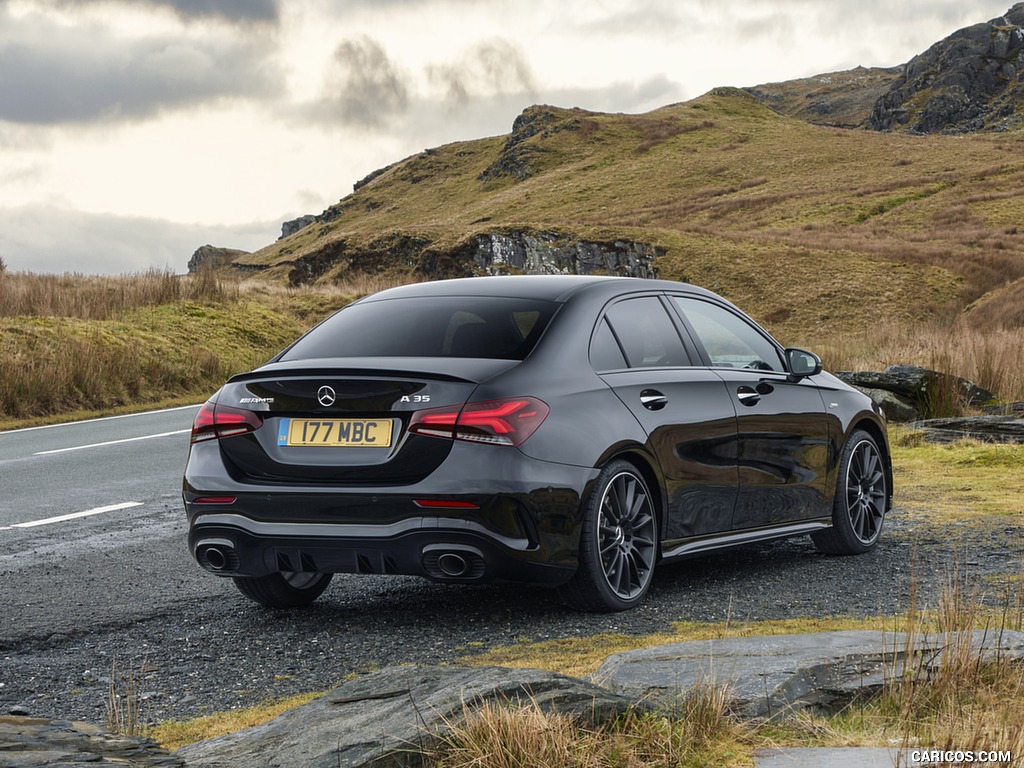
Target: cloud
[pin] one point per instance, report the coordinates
(623, 96)
(52, 73)
(487, 69)
(234, 11)
(363, 87)
(53, 240)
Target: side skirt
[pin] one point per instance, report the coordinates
(682, 547)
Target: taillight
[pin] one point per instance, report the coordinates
(223, 421)
(500, 422)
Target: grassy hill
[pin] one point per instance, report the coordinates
(811, 228)
(870, 248)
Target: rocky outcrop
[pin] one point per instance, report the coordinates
(910, 392)
(547, 253)
(516, 158)
(290, 227)
(212, 257)
(778, 676)
(967, 82)
(492, 253)
(389, 718)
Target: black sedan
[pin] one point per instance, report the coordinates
(561, 430)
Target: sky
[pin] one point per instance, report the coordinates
(134, 131)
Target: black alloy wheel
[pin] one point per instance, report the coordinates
(860, 502)
(618, 547)
(292, 589)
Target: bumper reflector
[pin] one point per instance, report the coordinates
(445, 504)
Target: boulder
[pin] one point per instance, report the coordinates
(386, 719)
(778, 676)
(913, 389)
(897, 408)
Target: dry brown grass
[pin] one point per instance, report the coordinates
(102, 297)
(74, 342)
(966, 699)
(699, 732)
(988, 356)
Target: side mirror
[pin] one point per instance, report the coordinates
(802, 363)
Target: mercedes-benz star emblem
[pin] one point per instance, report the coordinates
(326, 395)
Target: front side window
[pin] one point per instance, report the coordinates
(646, 333)
(429, 326)
(730, 341)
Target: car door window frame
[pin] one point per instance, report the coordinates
(690, 351)
(680, 314)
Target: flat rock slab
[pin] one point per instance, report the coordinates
(385, 719)
(777, 676)
(31, 742)
(989, 429)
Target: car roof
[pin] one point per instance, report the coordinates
(557, 288)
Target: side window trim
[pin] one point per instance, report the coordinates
(690, 344)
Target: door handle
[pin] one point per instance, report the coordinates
(748, 395)
(653, 400)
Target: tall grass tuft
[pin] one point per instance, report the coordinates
(124, 701)
(700, 732)
(962, 698)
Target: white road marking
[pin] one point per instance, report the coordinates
(101, 418)
(112, 442)
(75, 515)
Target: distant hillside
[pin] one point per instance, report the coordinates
(967, 82)
(810, 228)
(841, 99)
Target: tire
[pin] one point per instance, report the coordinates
(284, 590)
(618, 543)
(861, 496)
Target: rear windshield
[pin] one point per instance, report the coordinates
(435, 326)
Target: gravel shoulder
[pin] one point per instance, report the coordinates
(197, 646)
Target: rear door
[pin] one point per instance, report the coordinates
(782, 427)
(684, 408)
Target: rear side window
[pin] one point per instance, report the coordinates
(434, 326)
(605, 353)
(646, 333)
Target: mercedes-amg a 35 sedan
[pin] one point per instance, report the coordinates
(561, 430)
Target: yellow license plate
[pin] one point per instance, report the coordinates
(335, 433)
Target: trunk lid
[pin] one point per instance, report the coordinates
(330, 424)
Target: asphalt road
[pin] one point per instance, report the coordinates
(94, 571)
(90, 518)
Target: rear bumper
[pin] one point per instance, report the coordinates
(417, 546)
(523, 525)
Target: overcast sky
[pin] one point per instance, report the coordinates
(133, 132)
